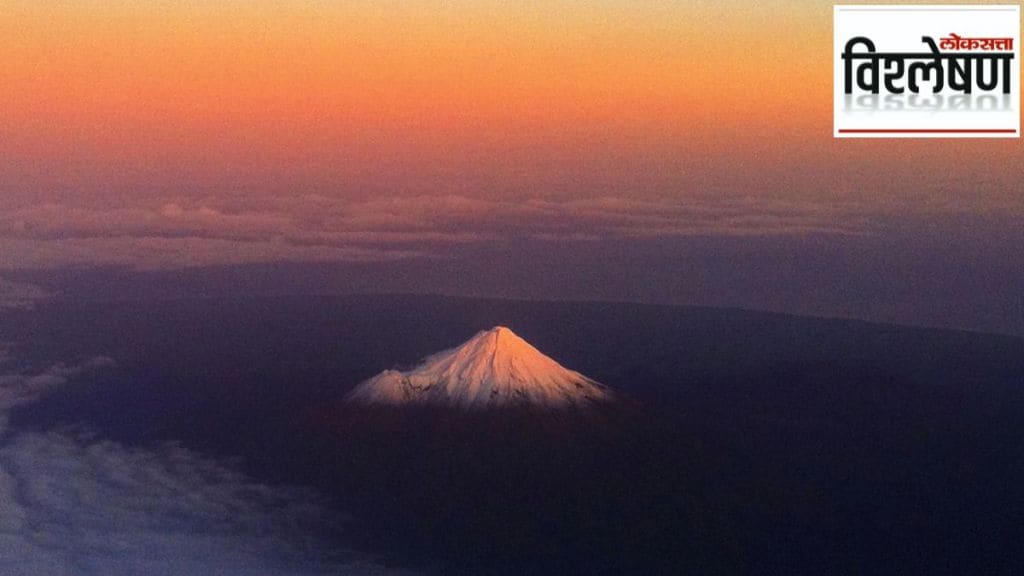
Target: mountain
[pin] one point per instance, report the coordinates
(757, 443)
(494, 368)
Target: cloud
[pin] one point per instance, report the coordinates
(317, 228)
(162, 253)
(20, 294)
(18, 389)
(76, 505)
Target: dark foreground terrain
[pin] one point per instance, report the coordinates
(757, 443)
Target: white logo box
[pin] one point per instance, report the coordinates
(950, 113)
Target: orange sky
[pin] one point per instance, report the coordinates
(116, 101)
(693, 139)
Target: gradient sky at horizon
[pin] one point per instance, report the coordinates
(164, 134)
(116, 102)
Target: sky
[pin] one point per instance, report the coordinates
(162, 136)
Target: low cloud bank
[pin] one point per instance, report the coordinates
(77, 505)
(20, 294)
(315, 228)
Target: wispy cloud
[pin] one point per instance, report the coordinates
(20, 294)
(318, 228)
(77, 505)
(18, 388)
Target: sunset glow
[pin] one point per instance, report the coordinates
(496, 287)
(118, 102)
(161, 135)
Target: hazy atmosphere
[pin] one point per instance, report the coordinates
(496, 288)
(631, 150)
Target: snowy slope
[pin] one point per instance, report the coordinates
(494, 368)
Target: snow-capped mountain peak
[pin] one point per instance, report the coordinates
(493, 368)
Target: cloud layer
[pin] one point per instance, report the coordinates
(316, 228)
(18, 389)
(19, 294)
(77, 505)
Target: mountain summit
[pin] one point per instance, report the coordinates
(495, 368)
